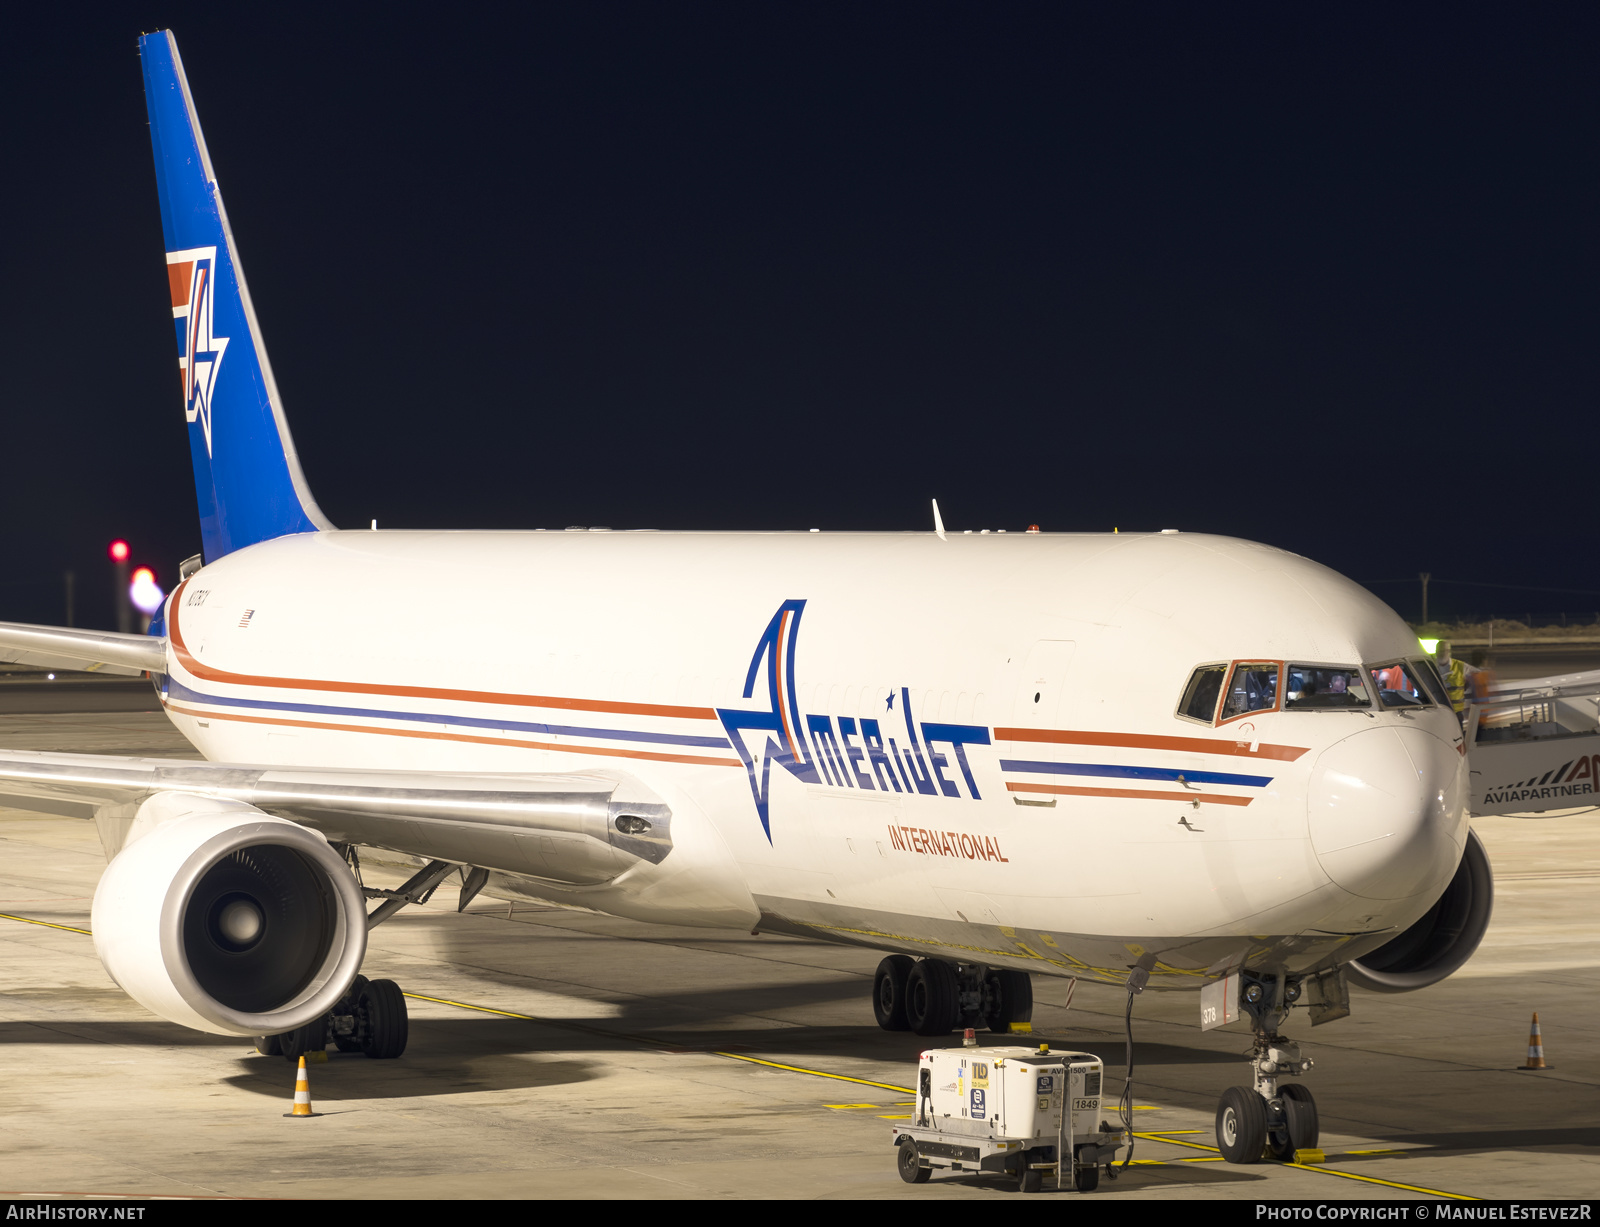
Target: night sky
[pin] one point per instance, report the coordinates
(1324, 277)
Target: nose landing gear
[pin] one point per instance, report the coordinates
(1267, 1120)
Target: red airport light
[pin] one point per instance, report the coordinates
(119, 550)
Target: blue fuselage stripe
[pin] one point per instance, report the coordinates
(1134, 773)
(178, 690)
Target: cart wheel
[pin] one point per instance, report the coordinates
(911, 1169)
(1032, 1180)
(1086, 1179)
(1241, 1125)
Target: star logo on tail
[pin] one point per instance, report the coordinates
(191, 276)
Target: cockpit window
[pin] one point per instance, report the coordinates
(1252, 688)
(1316, 688)
(1200, 695)
(1427, 672)
(1398, 686)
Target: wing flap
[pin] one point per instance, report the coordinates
(559, 828)
(60, 647)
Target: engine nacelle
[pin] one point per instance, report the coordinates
(223, 918)
(1442, 940)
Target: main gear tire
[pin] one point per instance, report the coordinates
(889, 992)
(933, 998)
(388, 1025)
(302, 1041)
(1008, 999)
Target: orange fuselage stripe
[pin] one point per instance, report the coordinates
(1145, 741)
(181, 651)
(1069, 790)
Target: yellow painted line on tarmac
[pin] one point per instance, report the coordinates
(887, 1086)
(1171, 1141)
(731, 1056)
(464, 1005)
(1390, 1184)
(849, 1107)
(815, 1073)
(28, 920)
(1321, 1171)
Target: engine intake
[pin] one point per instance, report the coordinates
(221, 917)
(1440, 942)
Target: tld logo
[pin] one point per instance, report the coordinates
(843, 751)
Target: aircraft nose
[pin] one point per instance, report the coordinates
(1387, 812)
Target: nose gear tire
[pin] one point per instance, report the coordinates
(1300, 1122)
(1241, 1125)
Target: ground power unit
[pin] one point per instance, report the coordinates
(1008, 1111)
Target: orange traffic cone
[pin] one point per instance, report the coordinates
(1535, 1048)
(302, 1093)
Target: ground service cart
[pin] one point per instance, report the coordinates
(1009, 1111)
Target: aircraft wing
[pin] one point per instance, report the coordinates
(56, 647)
(567, 828)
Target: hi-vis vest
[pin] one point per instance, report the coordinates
(1455, 683)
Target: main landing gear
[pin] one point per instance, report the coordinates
(1266, 1120)
(371, 1019)
(936, 997)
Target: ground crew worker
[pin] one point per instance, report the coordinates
(1480, 677)
(1455, 676)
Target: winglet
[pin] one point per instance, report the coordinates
(247, 476)
(938, 521)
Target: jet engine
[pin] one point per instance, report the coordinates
(1440, 942)
(223, 918)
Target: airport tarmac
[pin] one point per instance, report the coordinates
(559, 1053)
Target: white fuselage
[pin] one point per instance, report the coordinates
(1029, 813)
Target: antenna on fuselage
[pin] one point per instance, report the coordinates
(938, 521)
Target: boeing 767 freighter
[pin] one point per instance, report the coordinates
(1167, 758)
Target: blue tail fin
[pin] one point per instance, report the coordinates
(246, 474)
